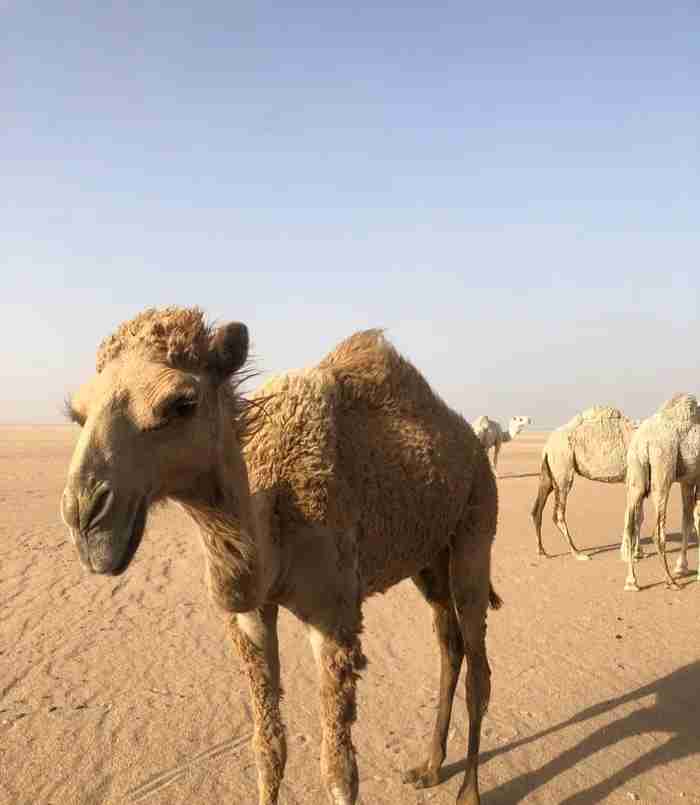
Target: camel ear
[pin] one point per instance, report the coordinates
(228, 349)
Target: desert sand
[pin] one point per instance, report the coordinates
(119, 690)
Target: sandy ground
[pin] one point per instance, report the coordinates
(127, 690)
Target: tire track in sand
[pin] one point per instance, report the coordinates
(170, 776)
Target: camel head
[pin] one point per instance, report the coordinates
(517, 423)
(151, 422)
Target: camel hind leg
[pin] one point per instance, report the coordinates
(434, 585)
(470, 581)
(543, 493)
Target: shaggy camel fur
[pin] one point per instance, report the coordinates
(491, 434)
(327, 486)
(665, 448)
(594, 445)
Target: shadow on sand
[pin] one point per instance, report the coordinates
(673, 545)
(518, 475)
(673, 712)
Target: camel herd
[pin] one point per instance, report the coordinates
(602, 444)
(322, 488)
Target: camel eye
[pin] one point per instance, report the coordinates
(182, 408)
(173, 411)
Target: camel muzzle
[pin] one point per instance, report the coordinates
(106, 534)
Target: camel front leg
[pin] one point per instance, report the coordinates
(255, 636)
(559, 515)
(661, 486)
(630, 534)
(639, 522)
(338, 658)
(637, 545)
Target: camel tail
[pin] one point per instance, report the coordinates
(495, 600)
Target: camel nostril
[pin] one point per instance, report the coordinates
(98, 507)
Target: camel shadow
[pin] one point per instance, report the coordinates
(673, 712)
(518, 475)
(673, 545)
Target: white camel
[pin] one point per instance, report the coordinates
(491, 434)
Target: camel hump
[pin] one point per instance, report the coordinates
(367, 366)
(356, 347)
(680, 407)
(596, 413)
(601, 412)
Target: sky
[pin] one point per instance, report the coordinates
(511, 189)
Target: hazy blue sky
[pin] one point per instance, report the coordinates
(511, 189)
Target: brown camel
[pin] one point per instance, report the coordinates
(594, 445)
(327, 486)
(665, 449)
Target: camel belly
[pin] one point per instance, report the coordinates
(384, 563)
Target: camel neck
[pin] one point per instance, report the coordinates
(242, 560)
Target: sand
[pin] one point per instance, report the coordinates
(128, 690)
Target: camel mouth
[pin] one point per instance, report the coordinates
(108, 552)
(136, 530)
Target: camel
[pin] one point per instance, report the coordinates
(594, 445)
(665, 449)
(491, 434)
(324, 487)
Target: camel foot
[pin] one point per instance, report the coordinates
(631, 587)
(339, 797)
(421, 777)
(582, 557)
(672, 585)
(468, 796)
(542, 552)
(681, 568)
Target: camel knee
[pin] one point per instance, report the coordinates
(449, 637)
